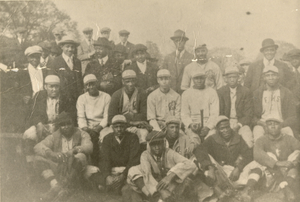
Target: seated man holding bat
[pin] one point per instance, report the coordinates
(62, 158)
(196, 99)
(225, 158)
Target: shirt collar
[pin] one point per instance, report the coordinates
(124, 44)
(233, 90)
(66, 58)
(181, 53)
(87, 41)
(140, 63)
(266, 62)
(32, 68)
(104, 59)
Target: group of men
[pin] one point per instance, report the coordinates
(104, 113)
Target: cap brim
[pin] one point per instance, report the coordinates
(181, 37)
(68, 42)
(91, 80)
(116, 122)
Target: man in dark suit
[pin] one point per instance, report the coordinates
(146, 72)
(254, 77)
(124, 34)
(105, 68)
(177, 60)
(236, 104)
(58, 33)
(68, 68)
(293, 57)
(46, 57)
(86, 49)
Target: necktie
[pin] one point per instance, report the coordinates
(101, 62)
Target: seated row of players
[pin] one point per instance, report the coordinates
(132, 103)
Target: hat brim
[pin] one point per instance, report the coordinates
(119, 122)
(91, 80)
(129, 77)
(68, 42)
(164, 75)
(156, 140)
(173, 122)
(232, 72)
(263, 48)
(199, 75)
(181, 37)
(274, 119)
(28, 54)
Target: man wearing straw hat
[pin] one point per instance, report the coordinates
(177, 60)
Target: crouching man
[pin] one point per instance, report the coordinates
(162, 174)
(279, 154)
(119, 152)
(223, 157)
(61, 157)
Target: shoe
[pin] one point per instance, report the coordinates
(51, 194)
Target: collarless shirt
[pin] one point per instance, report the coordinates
(142, 66)
(124, 43)
(67, 145)
(69, 60)
(36, 78)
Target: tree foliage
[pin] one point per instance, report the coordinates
(38, 17)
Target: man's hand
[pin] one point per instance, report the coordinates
(204, 131)
(235, 174)
(26, 99)
(106, 85)
(195, 127)
(210, 176)
(236, 128)
(141, 124)
(150, 89)
(54, 156)
(165, 182)
(77, 150)
(286, 164)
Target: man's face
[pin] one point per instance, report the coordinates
(88, 35)
(119, 129)
(273, 128)
(52, 90)
(105, 34)
(295, 62)
(271, 78)
(199, 82)
(68, 49)
(119, 57)
(45, 53)
(57, 36)
(232, 80)
(91, 88)
(140, 56)
(123, 38)
(34, 59)
(224, 130)
(201, 53)
(101, 51)
(269, 53)
(129, 84)
(164, 81)
(179, 43)
(173, 130)
(157, 147)
(67, 128)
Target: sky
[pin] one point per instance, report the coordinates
(217, 23)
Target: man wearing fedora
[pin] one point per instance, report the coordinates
(104, 68)
(86, 50)
(214, 78)
(68, 68)
(124, 34)
(145, 71)
(236, 104)
(254, 76)
(105, 32)
(177, 60)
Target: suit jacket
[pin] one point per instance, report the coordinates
(110, 71)
(38, 109)
(177, 70)
(116, 105)
(148, 79)
(70, 80)
(254, 77)
(243, 104)
(54, 44)
(129, 46)
(288, 107)
(83, 50)
(18, 50)
(24, 82)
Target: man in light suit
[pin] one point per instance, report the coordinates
(177, 60)
(86, 49)
(124, 34)
(254, 76)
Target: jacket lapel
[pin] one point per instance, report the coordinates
(238, 96)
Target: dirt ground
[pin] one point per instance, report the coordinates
(15, 187)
